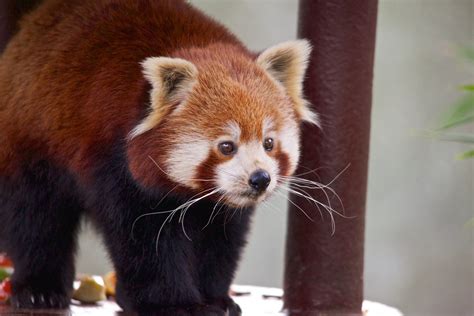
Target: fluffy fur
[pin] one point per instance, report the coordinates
(115, 109)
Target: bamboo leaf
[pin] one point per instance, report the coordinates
(468, 52)
(461, 113)
(470, 223)
(456, 137)
(466, 155)
(468, 87)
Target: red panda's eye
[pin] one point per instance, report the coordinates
(227, 148)
(268, 144)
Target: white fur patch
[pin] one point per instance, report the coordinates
(233, 175)
(187, 154)
(268, 126)
(286, 64)
(289, 139)
(172, 79)
(232, 128)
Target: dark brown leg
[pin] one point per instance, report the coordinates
(324, 273)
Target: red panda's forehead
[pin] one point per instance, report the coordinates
(250, 102)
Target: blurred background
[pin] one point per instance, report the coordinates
(419, 248)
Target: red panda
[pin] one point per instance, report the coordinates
(128, 112)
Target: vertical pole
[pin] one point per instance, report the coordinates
(10, 13)
(324, 271)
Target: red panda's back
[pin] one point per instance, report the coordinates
(71, 82)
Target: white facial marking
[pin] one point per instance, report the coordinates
(268, 126)
(286, 65)
(290, 145)
(233, 130)
(188, 152)
(164, 94)
(233, 175)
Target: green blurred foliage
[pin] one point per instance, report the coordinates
(460, 114)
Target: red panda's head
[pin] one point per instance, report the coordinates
(222, 121)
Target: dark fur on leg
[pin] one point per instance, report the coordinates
(149, 277)
(40, 220)
(221, 245)
(174, 275)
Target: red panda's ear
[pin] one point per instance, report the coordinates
(171, 79)
(286, 63)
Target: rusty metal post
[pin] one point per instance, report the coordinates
(324, 272)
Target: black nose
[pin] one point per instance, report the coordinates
(259, 180)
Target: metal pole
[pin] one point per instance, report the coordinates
(324, 271)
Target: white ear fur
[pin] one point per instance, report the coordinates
(286, 63)
(171, 79)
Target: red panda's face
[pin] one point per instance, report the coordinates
(222, 123)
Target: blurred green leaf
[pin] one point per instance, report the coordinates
(470, 223)
(466, 155)
(455, 137)
(468, 52)
(461, 113)
(3, 274)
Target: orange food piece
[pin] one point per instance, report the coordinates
(5, 261)
(110, 280)
(4, 297)
(91, 289)
(6, 286)
(5, 290)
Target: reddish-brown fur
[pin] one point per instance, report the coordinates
(101, 100)
(100, 93)
(94, 68)
(230, 87)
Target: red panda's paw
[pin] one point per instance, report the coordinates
(30, 298)
(207, 310)
(198, 310)
(228, 304)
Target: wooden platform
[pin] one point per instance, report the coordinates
(254, 301)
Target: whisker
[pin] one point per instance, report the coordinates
(232, 215)
(300, 187)
(162, 212)
(325, 185)
(309, 184)
(189, 204)
(323, 189)
(144, 215)
(333, 223)
(238, 179)
(185, 205)
(191, 179)
(163, 198)
(213, 210)
(313, 171)
(339, 174)
(158, 166)
(327, 207)
(297, 186)
(220, 208)
(317, 206)
(169, 217)
(289, 200)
